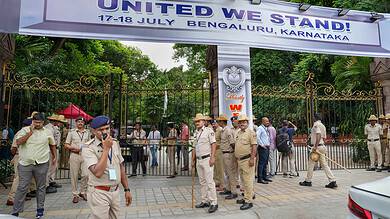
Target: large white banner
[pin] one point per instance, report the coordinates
(272, 24)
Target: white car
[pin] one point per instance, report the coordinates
(370, 200)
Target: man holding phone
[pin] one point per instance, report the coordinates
(35, 144)
(102, 156)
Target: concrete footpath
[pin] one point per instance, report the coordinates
(158, 197)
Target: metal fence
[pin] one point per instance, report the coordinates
(345, 112)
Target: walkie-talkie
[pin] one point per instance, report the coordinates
(104, 135)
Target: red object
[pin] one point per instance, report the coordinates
(357, 210)
(106, 188)
(73, 111)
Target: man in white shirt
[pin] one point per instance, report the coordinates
(373, 132)
(317, 136)
(154, 140)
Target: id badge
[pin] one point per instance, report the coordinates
(112, 174)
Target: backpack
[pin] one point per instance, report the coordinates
(283, 143)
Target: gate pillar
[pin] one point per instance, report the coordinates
(231, 81)
(380, 71)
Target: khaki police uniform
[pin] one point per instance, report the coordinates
(218, 169)
(171, 151)
(387, 152)
(373, 142)
(51, 175)
(319, 128)
(104, 204)
(385, 144)
(235, 131)
(243, 149)
(204, 138)
(229, 160)
(77, 138)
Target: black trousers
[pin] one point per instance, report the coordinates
(137, 156)
(263, 163)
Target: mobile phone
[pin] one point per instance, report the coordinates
(104, 135)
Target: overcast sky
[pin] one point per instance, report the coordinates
(160, 53)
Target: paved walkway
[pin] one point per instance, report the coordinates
(157, 197)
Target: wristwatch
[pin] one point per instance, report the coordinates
(127, 190)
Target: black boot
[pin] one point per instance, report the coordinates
(231, 196)
(305, 183)
(213, 208)
(331, 185)
(202, 205)
(246, 206)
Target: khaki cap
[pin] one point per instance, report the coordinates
(222, 117)
(58, 118)
(198, 117)
(372, 118)
(242, 117)
(387, 116)
(382, 116)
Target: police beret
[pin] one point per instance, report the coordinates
(80, 118)
(100, 121)
(27, 122)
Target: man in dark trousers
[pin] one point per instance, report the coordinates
(263, 142)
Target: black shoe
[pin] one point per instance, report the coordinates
(385, 168)
(240, 201)
(32, 194)
(56, 185)
(378, 170)
(132, 175)
(51, 189)
(262, 182)
(231, 196)
(246, 206)
(170, 177)
(15, 214)
(225, 192)
(305, 183)
(331, 185)
(370, 169)
(285, 175)
(213, 208)
(267, 180)
(202, 205)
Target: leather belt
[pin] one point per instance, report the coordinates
(203, 157)
(371, 140)
(227, 152)
(244, 157)
(107, 188)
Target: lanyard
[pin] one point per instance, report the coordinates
(110, 156)
(197, 139)
(81, 137)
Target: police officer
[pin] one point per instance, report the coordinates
(102, 156)
(373, 131)
(317, 136)
(387, 152)
(384, 141)
(218, 169)
(245, 152)
(229, 161)
(54, 127)
(74, 142)
(204, 156)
